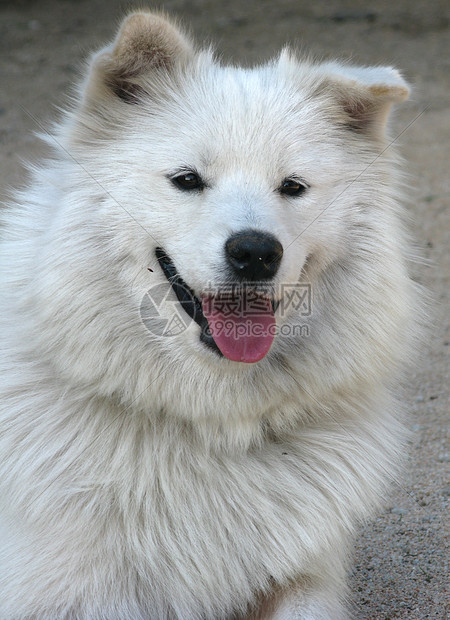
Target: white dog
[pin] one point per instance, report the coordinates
(216, 467)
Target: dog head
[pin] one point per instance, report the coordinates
(226, 184)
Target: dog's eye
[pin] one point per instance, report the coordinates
(292, 187)
(188, 181)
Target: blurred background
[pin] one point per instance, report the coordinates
(400, 560)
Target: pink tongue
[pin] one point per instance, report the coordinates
(243, 327)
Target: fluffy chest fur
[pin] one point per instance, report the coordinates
(144, 503)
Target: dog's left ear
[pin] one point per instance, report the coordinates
(147, 43)
(364, 95)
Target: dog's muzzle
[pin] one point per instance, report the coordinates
(238, 322)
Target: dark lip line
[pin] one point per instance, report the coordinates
(185, 295)
(188, 300)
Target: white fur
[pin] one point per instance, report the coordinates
(147, 477)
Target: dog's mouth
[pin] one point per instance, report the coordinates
(236, 322)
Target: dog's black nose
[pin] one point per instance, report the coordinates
(253, 255)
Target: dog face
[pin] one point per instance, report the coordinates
(219, 181)
(230, 187)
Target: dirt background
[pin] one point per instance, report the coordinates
(400, 560)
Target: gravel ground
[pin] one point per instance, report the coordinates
(400, 559)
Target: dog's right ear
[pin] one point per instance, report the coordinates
(145, 43)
